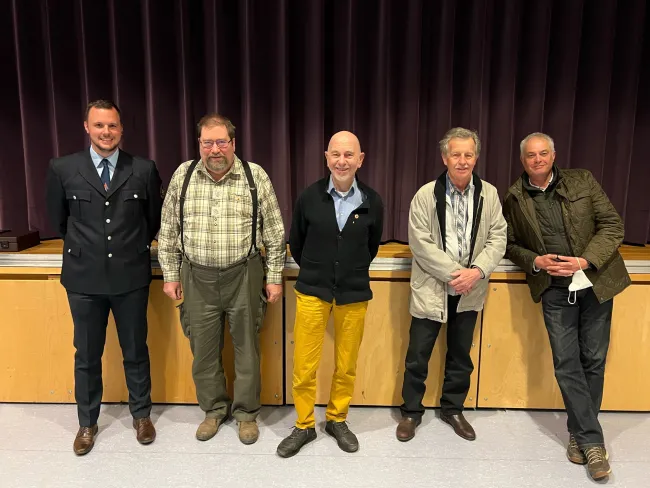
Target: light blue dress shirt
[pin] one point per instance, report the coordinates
(344, 205)
(97, 161)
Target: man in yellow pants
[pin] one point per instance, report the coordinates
(335, 234)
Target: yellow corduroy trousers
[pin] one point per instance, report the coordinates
(312, 315)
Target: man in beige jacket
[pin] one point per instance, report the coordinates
(457, 235)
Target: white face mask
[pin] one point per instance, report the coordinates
(579, 282)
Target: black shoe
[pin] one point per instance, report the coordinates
(298, 438)
(346, 440)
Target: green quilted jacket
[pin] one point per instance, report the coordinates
(593, 226)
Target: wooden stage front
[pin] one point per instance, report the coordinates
(511, 354)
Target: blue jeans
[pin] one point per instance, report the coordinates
(579, 336)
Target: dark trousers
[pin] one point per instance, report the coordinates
(458, 363)
(579, 336)
(90, 317)
(211, 296)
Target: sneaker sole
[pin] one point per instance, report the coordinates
(577, 460)
(291, 454)
(602, 476)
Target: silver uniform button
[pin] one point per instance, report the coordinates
(106, 204)
(135, 195)
(108, 221)
(74, 197)
(110, 255)
(69, 250)
(109, 238)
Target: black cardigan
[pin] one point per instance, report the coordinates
(334, 264)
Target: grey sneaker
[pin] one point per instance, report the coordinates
(346, 440)
(574, 453)
(597, 463)
(290, 446)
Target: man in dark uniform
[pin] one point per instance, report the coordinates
(106, 206)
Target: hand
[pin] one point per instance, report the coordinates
(465, 279)
(544, 261)
(567, 266)
(173, 290)
(273, 293)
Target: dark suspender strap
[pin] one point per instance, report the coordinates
(186, 183)
(478, 211)
(253, 189)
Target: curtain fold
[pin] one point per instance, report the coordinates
(290, 73)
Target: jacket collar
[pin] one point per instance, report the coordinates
(439, 192)
(123, 170)
(323, 184)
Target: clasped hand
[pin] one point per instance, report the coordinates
(465, 279)
(557, 265)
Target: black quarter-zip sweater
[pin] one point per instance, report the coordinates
(334, 264)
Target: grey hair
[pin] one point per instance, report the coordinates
(539, 135)
(459, 133)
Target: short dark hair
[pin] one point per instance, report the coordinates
(103, 104)
(213, 119)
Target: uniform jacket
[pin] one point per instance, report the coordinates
(106, 234)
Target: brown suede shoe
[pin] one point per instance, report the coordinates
(85, 440)
(145, 432)
(460, 425)
(597, 463)
(406, 428)
(574, 453)
(248, 432)
(208, 428)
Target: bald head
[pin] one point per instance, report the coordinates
(345, 137)
(344, 158)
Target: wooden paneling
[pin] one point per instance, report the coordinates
(380, 368)
(517, 367)
(37, 355)
(36, 351)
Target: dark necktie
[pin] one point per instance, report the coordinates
(106, 175)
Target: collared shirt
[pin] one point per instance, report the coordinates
(345, 203)
(218, 220)
(112, 162)
(547, 184)
(452, 196)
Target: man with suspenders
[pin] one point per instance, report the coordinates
(216, 212)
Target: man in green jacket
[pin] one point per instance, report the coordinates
(564, 233)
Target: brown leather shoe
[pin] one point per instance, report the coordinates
(85, 440)
(406, 428)
(145, 432)
(460, 425)
(248, 432)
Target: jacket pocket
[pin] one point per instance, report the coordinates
(310, 272)
(73, 250)
(78, 203)
(131, 199)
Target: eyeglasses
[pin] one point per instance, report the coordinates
(221, 143)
